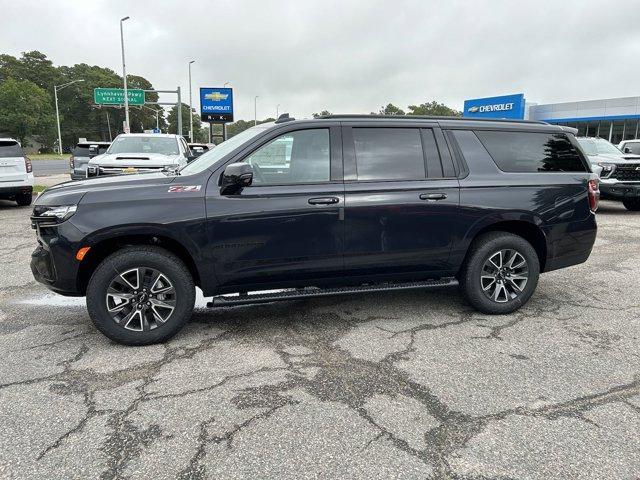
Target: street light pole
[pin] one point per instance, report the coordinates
(277, 111)
(190, 106)
(124, 76)
(55, 94)
(255, 110)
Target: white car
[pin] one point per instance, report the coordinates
(140, 153)
(16, 173)
(630, 146)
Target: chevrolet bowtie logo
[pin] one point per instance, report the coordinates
(216, 96)
(474, 109)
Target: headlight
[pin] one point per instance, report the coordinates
(61, 213)
(607, 169)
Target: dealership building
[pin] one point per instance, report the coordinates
(614, 119)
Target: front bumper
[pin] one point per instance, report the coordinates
(53, 262)
(614, 190)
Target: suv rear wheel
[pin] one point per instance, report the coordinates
(140, 295)
(24, 199)
(500, 274)
(633, 205)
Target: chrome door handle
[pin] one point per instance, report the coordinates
(323, 200)
(433, 196)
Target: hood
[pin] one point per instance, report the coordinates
(134, 159)
(71, 192)
(616, 159)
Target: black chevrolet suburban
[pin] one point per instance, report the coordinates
(335, 205)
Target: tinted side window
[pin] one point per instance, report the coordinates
(10, 149)
(295, 157)
(531, 151)
(388, 154)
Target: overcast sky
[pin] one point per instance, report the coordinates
(346, 56)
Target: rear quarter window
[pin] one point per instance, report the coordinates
(527, 152)
(10, 149)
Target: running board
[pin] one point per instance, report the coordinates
(312, 292)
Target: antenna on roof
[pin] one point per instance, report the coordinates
(284, 118)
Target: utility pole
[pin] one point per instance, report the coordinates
(190, 106)
(55, 94)
(255, 110)
(179, 132)
(277, 111)
(124, 76)
(109, 126)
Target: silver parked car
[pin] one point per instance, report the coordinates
(619, 172)
(80, 156)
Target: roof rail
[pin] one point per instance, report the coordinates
(432, 117)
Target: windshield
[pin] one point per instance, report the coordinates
(161, 145)
(598, 146)
(209, 158)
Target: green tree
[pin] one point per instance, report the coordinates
(198, 131)
(323, 113)
(25, 110)
(390, 109)
(433, 108)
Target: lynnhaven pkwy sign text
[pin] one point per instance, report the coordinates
(115, 96)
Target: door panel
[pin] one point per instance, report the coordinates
(390, 228)
(276, 234)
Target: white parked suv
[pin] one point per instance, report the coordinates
(16, 173)
(140, 153)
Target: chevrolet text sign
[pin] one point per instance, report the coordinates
(506, 106)
(216, 104)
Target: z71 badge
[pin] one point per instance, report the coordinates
(184, 188)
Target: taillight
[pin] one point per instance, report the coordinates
(27, 165)
(594, 195)
(71, 164)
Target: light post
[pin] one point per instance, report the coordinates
(55, 94)
(124, 76)
(190, 106)
(277, 111)
(255, 110)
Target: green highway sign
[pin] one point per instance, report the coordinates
(115, 96)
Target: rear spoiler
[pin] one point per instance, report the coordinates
(569, 129)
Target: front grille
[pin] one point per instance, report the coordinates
(124, 170)
(627, 173)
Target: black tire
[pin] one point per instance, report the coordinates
(633, 205)
(144, 259)
(471, 276)
(24, 199)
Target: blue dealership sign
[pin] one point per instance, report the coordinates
(505, 106)
(216, 104)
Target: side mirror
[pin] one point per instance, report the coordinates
(627, 150)
(93, 151)
(235, 177)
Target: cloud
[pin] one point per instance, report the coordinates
(346, 56)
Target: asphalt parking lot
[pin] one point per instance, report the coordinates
(395, 385)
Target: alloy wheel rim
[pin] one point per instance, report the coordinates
(504, 275)
(140, 299)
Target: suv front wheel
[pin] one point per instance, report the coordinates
(500, 274)
(140, 295)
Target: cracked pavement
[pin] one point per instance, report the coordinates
(387, 385)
